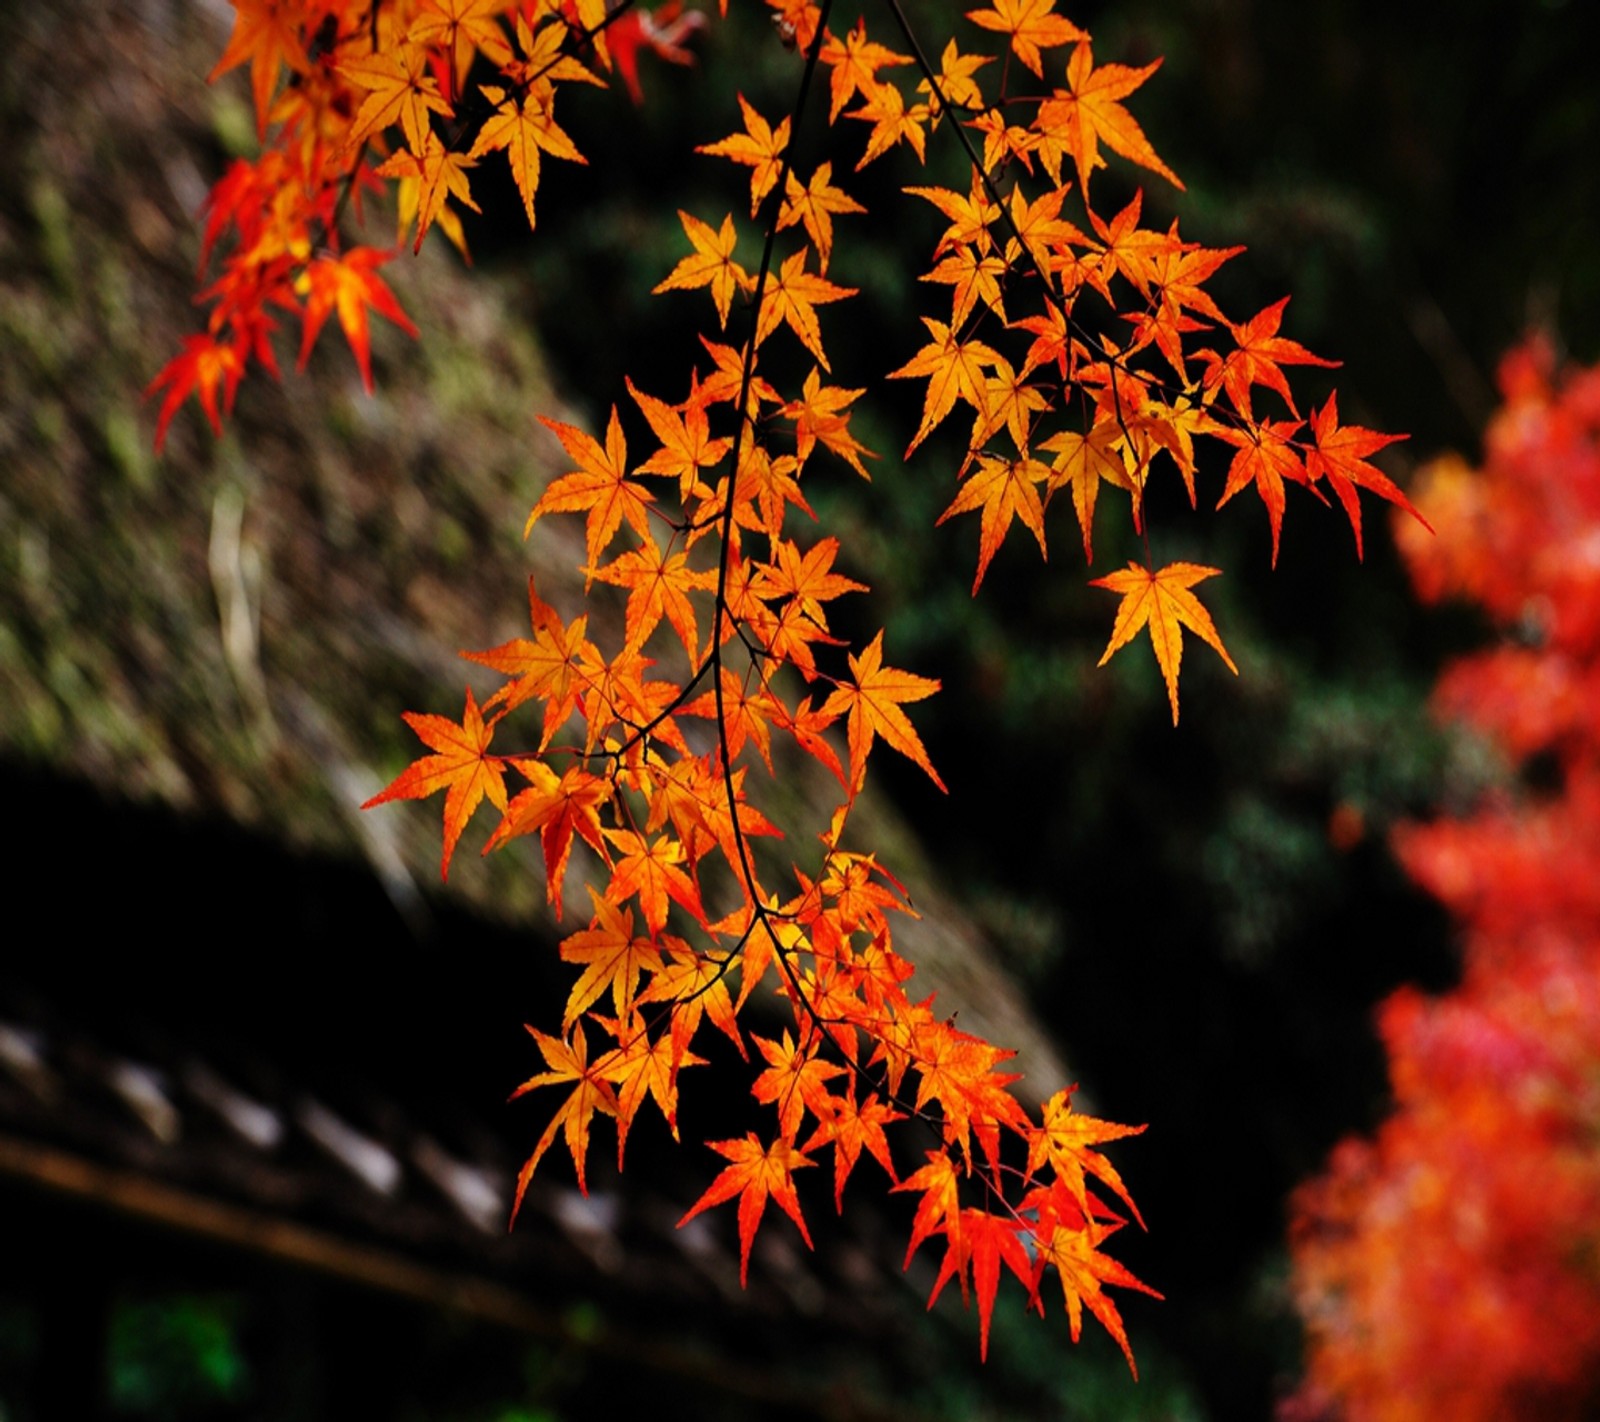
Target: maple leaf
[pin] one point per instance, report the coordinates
(1162, 601)
(1031, 25)
(983, 1243)
(400, 91)
(205, 365)
(600, 484)
(1266, 458)
(267, 34)
(1064, 1140)
(556, 807)
(349, 286)
(956, 1069)
(438, 174)
(461, 767)
(523, 130)
(940, 1205)
(639, 1067)
(463, 29)
(651, 871)
(794, 1080)
(662, 31)
(956, 83)
(970, 217)
(1256, 360)
(696, 985)
(546, 667)
(819, 414)
(1340, 453)
(892, 123)
(954, 369)
(1074, 1249)
(814, 205)
(1003, 489)
(807, 578)
(1083, 461)
(1003, 141)
(791, 296)
(710, 264)
(873, 703)
(1088, 114)
(744, 715)
(591, 1092)
(686, 443)
(755, 1174)
(975, 277)
(855, 62)
(659, 586)
(850, 1128)
(760, 146)
(613, 957)
(1008, 403)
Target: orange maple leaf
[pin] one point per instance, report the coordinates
(940, 1206)
(659, 586)
(463, 29)
(651, 871)
(1340, 453)
(855, 62)
(349, 286)
(1162, 601)
(267, 33)
(640, 1067)
(892, 122)
(850, 1128)
(600, 484)
(522, 130)
(546, 667)
(686, 443)
(555, 806)
(463, 769)
(794, 1080)
(591, 1092)
(1071, 1243)
(983, 1243)
(696, 985)
(791, 297)
(1256, 360)
(755, 1174)
(710, 264)
(820, 415)
(1031, 26)
(814, 204)
(1083, 461)
(437, 173)
(613, 958)
(1088, 115)
(1266, 457)
(205, 365)
(400, 91)
(760, 146)
(874, 704)
(954, 369)
(1003, 489)
(1064, 1140)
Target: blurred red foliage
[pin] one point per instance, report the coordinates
(1450, 1267)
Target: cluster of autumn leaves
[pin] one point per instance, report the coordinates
(1086, 353)
(1450, 1267)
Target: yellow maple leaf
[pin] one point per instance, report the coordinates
(1162, 601)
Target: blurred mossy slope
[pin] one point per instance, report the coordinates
(235, 624)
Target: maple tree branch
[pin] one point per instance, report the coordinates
(741, 414)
